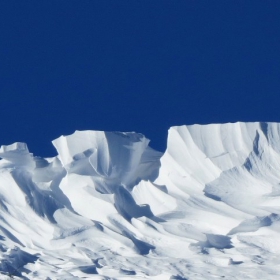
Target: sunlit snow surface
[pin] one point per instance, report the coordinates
(110, 207)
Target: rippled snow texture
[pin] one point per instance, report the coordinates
(110, 207)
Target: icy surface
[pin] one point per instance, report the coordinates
(110, 207)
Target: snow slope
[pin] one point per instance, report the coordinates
(110, 207)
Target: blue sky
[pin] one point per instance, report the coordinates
(135, 66)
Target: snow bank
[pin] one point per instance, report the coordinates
(108, 206)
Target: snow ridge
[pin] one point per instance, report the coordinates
(110, 207)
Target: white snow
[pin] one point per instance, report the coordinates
(110, 207)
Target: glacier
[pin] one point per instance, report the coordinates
(108, 206)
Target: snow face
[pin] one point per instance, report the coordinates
(110, 207)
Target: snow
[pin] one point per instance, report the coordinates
(110, 207)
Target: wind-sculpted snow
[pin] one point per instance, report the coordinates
(110, 207)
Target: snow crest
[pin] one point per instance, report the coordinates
(110, 207)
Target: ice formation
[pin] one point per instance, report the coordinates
(110, 207)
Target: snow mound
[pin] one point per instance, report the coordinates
(110, 207)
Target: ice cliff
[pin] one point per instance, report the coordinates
(110, 207)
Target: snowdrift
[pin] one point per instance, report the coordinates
(110, 207)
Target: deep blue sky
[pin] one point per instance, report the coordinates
(135, 66)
